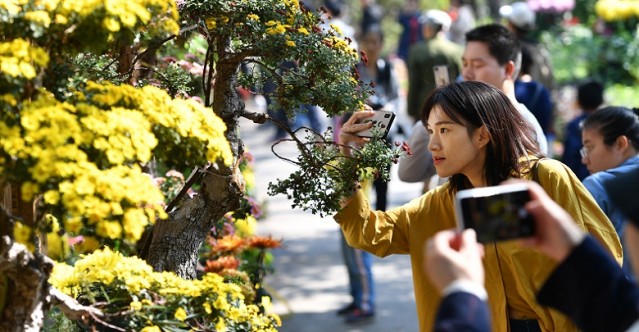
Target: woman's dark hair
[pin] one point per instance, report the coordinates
(474, 104)
(590, 95)
(614, 121)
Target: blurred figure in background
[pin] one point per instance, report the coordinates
(380, 71)
(411, 28)
(463, 18)
(590, 95)
(372, 14)
(520, 20)
(434, 50)
(611, 148)
(308, 115)
(358, 263)
(535, 96)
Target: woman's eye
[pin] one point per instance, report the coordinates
(443, 130)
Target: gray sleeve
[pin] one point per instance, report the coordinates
(418, 167)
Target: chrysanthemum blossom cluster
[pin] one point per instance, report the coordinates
(617, 10)
(141, 298)
(85, 156)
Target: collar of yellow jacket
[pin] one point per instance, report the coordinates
(529, 163)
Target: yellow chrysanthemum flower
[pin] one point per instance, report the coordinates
(303, 31)
(135, 305)
(211, 24)
(336, 28)
(109, 229)
(22, 233)
(180, 314)
(39, 17)
(246, 226)
(19, 59)
(207, 308)
(88, 244)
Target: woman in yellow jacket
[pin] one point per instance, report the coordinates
(477, 138)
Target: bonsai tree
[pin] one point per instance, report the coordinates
(89, 111)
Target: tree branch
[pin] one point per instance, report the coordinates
(138, 56)
(195, 176)
(70, 306)
(208, 77)
(152, 47)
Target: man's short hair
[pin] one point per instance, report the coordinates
(502, 44)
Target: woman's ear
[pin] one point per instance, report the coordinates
(622, 143)
(482, 136)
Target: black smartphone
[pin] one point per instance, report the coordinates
(382, 121)
(495, 213)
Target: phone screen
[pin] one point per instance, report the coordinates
(498, 217)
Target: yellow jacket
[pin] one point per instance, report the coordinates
(513, 274)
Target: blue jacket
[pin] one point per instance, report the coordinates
(537, 99)
(461, 311)
(595, 185)
(572, 145)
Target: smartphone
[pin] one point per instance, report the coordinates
(441, 75)
(382, 121)
(495, 213)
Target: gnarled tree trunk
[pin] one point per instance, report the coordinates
(175, 242)
(23, 282)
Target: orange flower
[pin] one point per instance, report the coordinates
(221, 264)
(262, 242)
(228, 243)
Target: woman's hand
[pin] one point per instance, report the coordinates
(348, 133)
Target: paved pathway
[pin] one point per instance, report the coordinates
(310, 280)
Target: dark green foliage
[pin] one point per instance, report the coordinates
(326, 175)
